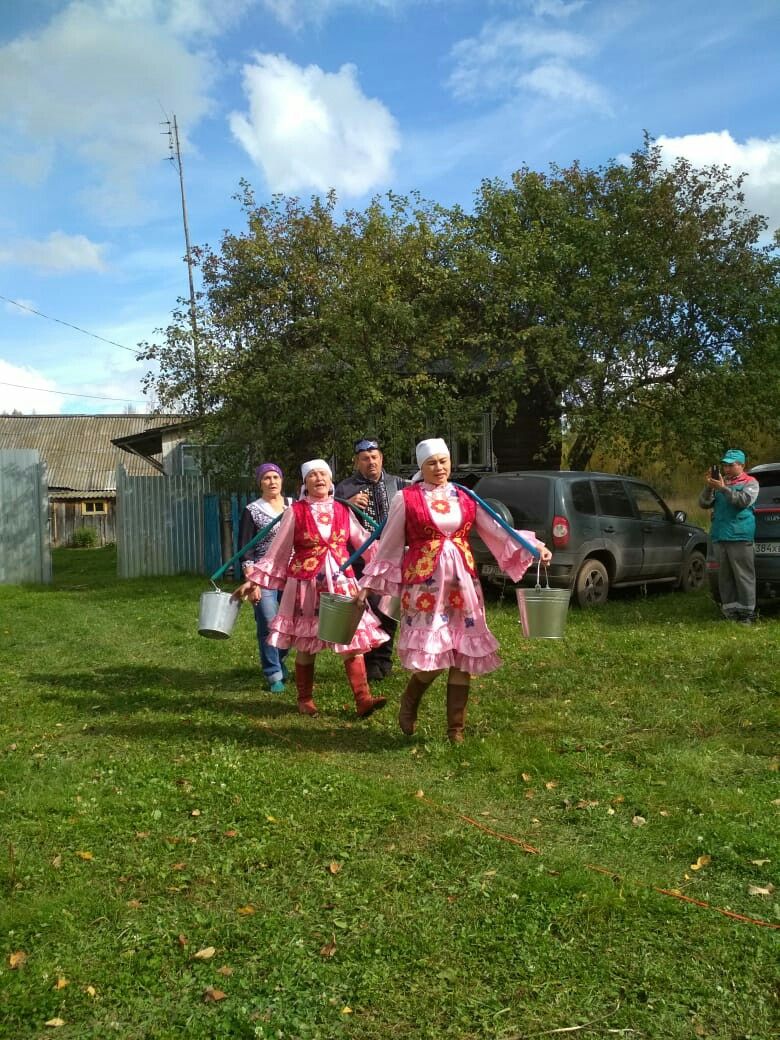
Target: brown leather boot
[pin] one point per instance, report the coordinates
(457, 696)
(304, 684)
(410, 702)
(365, 704)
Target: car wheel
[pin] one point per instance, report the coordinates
(591, 586)
(694, 572)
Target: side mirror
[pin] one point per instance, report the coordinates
(680, 516)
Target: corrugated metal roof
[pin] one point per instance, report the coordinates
(77, 449)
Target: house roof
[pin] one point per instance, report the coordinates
(78, 449)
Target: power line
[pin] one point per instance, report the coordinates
(76, 327)
(65, 393)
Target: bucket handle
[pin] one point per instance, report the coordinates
(538, 584)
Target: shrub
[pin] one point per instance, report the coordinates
(84, 538)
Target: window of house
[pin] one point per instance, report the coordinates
(92, 508)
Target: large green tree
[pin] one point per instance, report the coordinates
(635, 301)
(633, 306)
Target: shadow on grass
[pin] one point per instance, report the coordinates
(206, 714)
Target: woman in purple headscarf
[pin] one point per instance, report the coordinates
(257, 515)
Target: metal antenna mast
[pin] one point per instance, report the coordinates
(175, 157)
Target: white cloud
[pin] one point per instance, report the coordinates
(513, 56)
(295, 13)
(24, 310)
(182, 17)
(757, 157)
(557, 8)
(20, 397)
(560, 82)
(57, 254)
(93, 83)
(307, 128)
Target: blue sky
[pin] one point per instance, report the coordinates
(298, 96)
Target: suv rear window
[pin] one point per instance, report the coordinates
(613, 498)
(582, 497)
(768, 486)
(528, 498)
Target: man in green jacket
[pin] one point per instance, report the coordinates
(730, 495)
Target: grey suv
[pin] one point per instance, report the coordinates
(604, 531)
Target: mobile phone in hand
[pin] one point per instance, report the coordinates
(715, 472)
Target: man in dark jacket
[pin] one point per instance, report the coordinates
(372, 490)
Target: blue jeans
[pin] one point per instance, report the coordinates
(271, 659)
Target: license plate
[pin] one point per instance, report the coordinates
(767, 547)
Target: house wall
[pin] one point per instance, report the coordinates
(66, 517)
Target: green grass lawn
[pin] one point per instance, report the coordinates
(185, 856)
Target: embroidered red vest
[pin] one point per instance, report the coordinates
(426, 541)
(309, 547)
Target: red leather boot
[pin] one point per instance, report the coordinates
(410, 702)
(365, 704)
(457, 698)
(304, 684)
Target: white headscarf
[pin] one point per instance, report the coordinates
(306, 469)
(425, 449)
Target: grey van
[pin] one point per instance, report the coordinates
(605, 531)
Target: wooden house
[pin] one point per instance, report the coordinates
(81, 460)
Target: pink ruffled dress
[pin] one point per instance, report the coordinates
(442, 622)
(296, 621)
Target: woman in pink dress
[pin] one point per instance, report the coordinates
(425, 558)
(303, 561)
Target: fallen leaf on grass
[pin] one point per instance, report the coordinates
(246, 911)
(178, 866)
(55, 1023)
(195, 812)
(134, 904)
(550, 784)
(761, 890)
(231, 834)
(272, 819)
(211, 995)
(329, 949)
(760, 862)
(142, 834)
(346, 1010)
(61, 983)
(17, 959)
(702, 861)
(530, 794)
(526, 777)
(419, 794)
(225, 970)
(334, 867)
(57, 862)
(181, 940)
(638, 821)
(205, 954)
(90, 991)
(85, 855)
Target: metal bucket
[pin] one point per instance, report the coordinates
(339, 617)
(218, 613)
(543, 612)
(390, 606)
